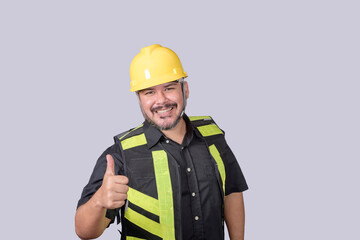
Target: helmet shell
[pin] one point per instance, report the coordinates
(154, 65)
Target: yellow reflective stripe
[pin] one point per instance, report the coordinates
(220, 164)
(130, 131)
(134, 141)
(144, 201)
(165, 196)
(143, 222)
(194, 118)
(209, 130)
(134, 238)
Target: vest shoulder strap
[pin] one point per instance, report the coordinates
(127, 134)
(206, 126)
(213, 135)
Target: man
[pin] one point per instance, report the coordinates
(174, 176)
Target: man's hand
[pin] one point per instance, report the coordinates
(90, 220)
(112, 193)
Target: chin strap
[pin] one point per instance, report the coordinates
(181, 81)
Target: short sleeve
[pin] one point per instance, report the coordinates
(97, 175)
(235, 180)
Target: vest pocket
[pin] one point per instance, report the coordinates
(141, 167)
(141, 174)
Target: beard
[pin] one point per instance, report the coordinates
(166, 126)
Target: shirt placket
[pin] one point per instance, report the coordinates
(194, 192)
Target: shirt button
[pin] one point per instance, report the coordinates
(188, 169)
(167, 141)
(193, 194)
(196, 218)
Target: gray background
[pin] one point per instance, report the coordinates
(280, 77)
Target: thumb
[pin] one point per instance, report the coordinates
(110, 169)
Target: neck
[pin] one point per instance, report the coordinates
(177, 133)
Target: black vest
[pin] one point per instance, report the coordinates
(154, 198)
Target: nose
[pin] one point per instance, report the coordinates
(161, 98)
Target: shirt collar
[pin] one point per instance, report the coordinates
(154, 135)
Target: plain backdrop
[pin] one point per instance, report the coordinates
(280, 77)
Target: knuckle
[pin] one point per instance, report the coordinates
(124, 179)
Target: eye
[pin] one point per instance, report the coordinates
(149, 92)
(169, 88)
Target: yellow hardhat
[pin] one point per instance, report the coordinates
(154, 65)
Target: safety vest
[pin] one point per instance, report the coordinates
(153, 207)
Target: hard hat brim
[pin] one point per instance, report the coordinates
(141, 85)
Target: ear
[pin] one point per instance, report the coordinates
(186, 89)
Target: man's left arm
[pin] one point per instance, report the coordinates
(235, 185)
(235, 215)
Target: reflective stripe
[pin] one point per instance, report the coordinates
(130, 131)
(134, 141)
(165, 196)
(163, 207)
(143, 222)
(134, 238)
(144, 201)
(209, 130)
(194, 118)
(220, 164)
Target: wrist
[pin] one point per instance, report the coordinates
(96, 201)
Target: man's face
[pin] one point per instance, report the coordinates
(162, 104)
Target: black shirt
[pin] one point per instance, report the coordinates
(200, 218)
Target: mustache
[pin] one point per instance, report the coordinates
(153, 109)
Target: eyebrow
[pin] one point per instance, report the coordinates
(165, 86)
(171, 83)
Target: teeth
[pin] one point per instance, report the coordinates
(164, 111)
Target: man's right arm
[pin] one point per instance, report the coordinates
(90, 220)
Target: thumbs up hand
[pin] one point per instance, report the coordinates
(112, 193)
(110, 169)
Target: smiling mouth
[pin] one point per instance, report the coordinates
(165, 110)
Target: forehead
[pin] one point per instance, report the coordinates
(160, 86)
